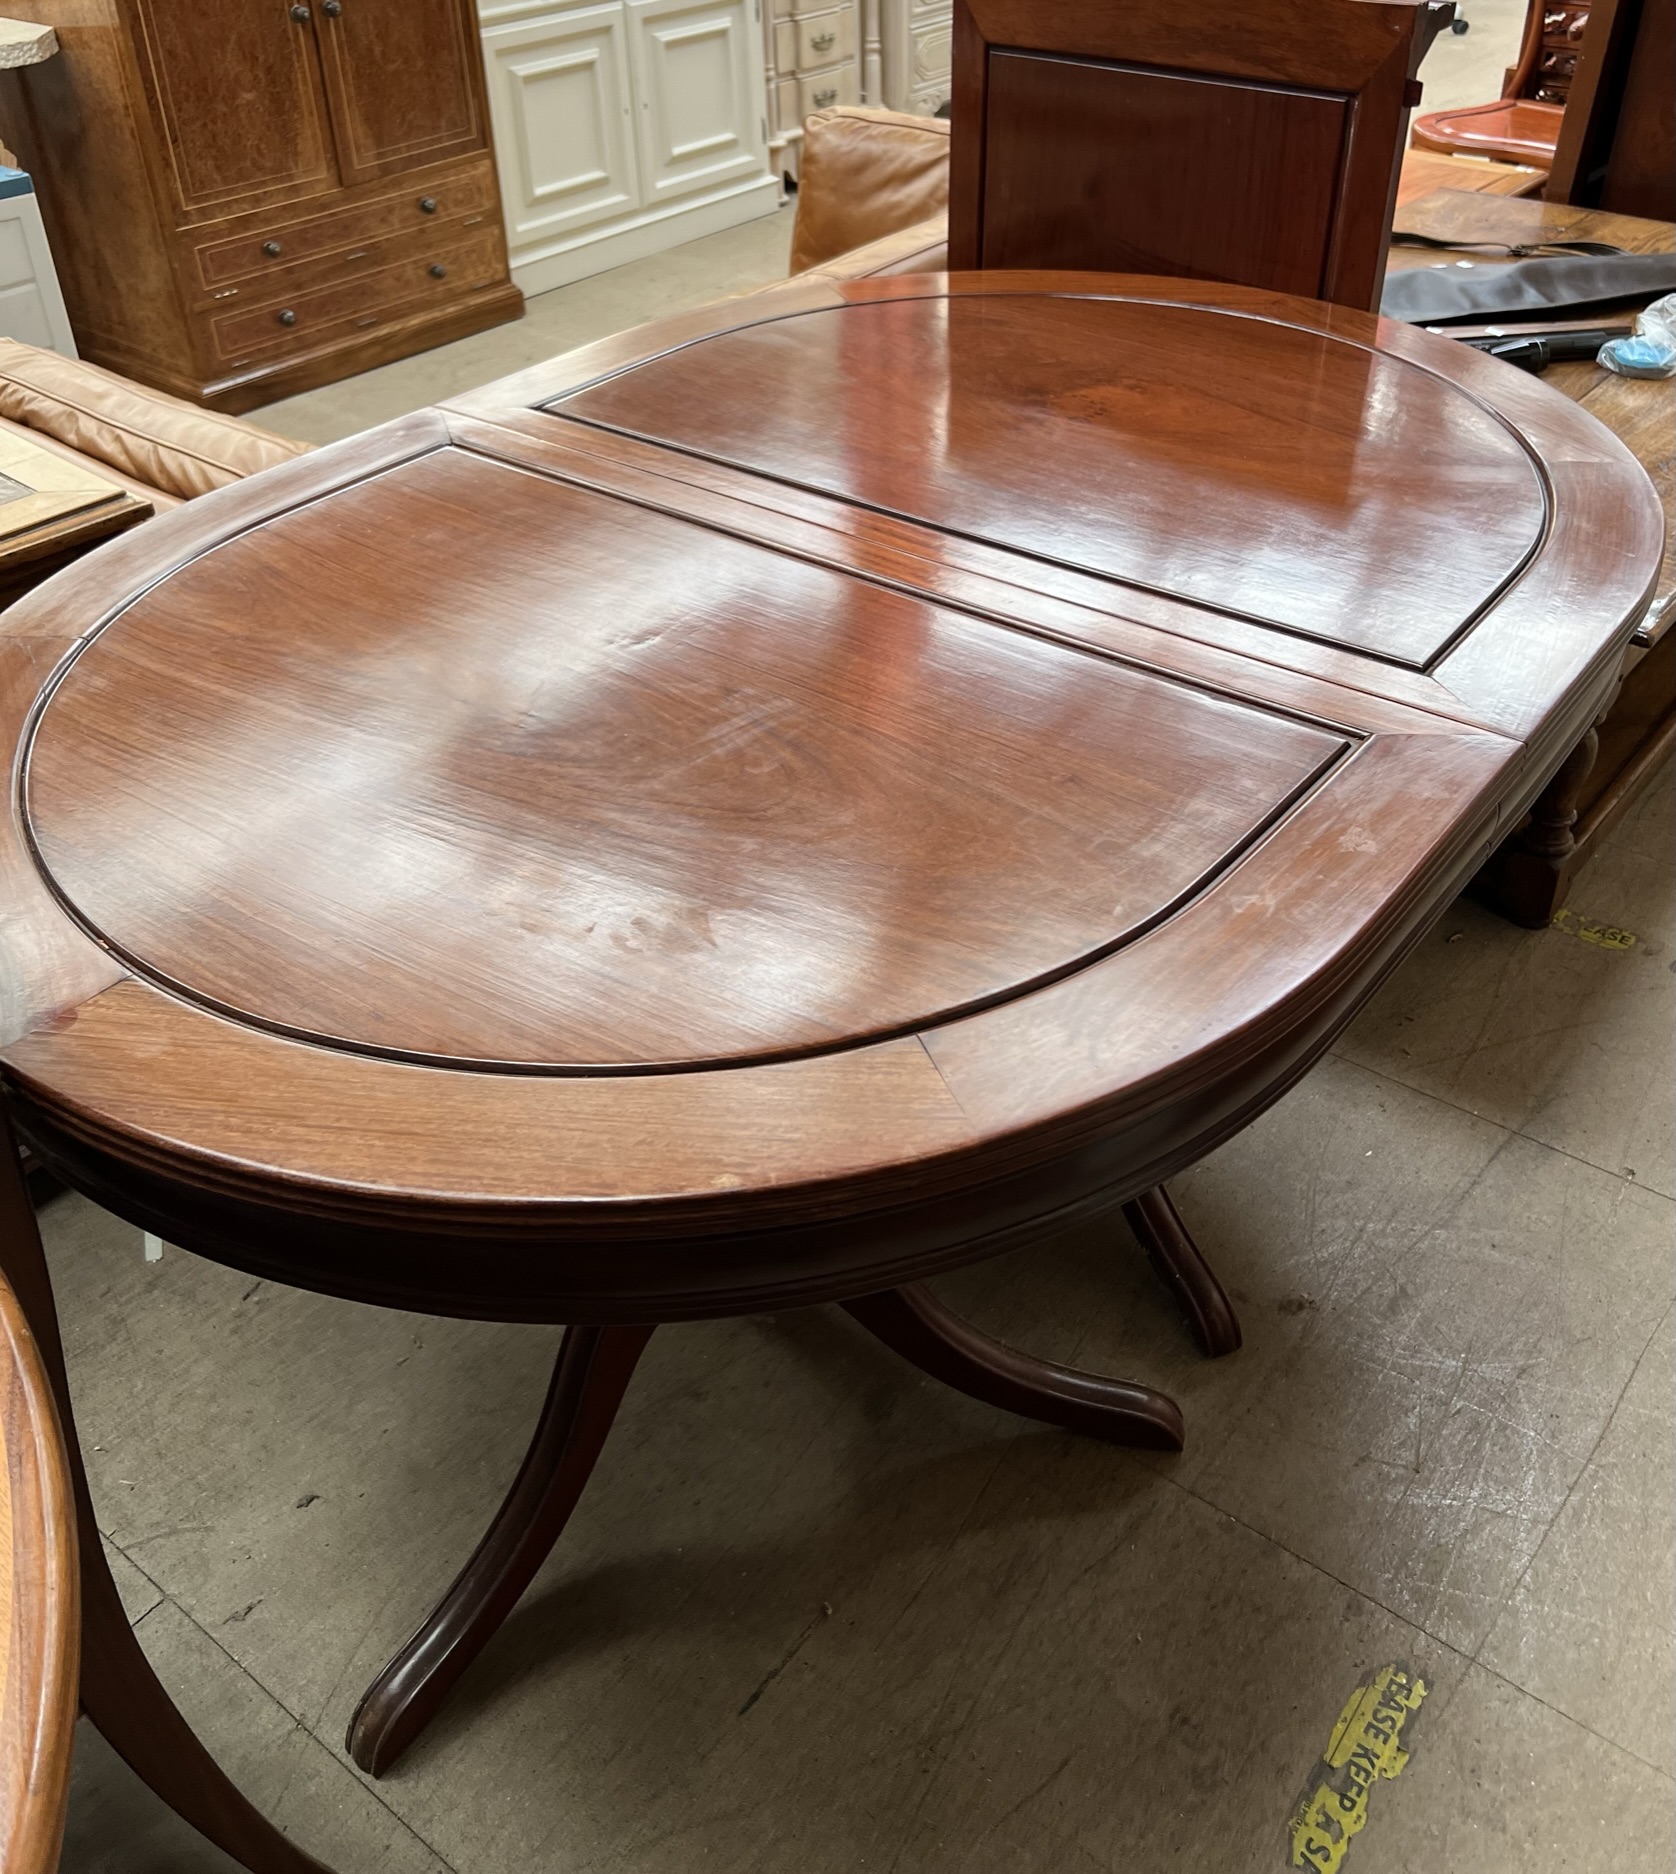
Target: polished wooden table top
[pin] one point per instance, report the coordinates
(845, 755)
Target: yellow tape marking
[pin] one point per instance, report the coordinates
(1608, 936)
(1365, 1746)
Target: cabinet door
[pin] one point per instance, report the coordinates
(698, 79)
(402, 78)
(563, 117)
(235, 86)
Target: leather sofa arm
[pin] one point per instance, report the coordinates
(923, 248)
(864, 174)
(142, 434)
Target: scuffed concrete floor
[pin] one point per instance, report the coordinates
(817, 1614)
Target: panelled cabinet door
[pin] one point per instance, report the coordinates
(698, 76)
(399, 75)
(563, 113)
(236, 90)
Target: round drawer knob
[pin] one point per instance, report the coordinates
(272, 249)
(302, 15)
(427, 204)
(287, 317)
(331, 8)
(438, 271)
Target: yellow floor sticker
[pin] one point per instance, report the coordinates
(1608, 936)
(1366, 1745)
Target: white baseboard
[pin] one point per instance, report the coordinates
(540, 268)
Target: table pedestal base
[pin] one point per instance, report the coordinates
(592, 1373)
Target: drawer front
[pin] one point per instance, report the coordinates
(304, 319)
(276, 248)
(823, 89)
(785, 45)
(825, 39)
(933, 55)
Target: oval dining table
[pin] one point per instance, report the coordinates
(764, 809)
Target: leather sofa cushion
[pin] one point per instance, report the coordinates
(923, 248)
(140, 433)
(863, 174)
(158, 499)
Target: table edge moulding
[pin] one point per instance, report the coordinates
(616, 1192)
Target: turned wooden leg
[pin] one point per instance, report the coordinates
(1172, 1252)
(912, 1322)
(1527, 879)
(119, 1690)
(590, 1377)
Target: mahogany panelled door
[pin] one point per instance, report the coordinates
(1255, 141)
(770, 807)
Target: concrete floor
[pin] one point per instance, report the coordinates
(816, 1615)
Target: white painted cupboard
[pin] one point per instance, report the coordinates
(623, 127)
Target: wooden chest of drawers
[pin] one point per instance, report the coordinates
(251, 197)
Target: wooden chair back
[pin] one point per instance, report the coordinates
(1256, 141)
(1617, 144)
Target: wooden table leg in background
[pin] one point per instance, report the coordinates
(119, 1690)
(1183, 1270)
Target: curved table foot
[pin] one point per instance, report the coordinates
(590, 1376)
(912, 1322)
(119, 1690)
(1172, 1252)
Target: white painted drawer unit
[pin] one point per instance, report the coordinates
(918, 50)
(813, 49)
(623, 128)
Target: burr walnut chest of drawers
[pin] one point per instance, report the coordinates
(251, 197)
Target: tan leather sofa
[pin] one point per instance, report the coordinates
(873, 194)
(147, 442)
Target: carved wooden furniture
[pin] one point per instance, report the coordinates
(771, 844)
(234, 242)
(1617, 147)
(39, 1613)
(1254, 141)
(1523, 124)
(916, 66)
(623, 127)
(1530, 875)
(814, 55)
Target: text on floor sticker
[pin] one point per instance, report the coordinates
(1365, 1746)
(1608, 936)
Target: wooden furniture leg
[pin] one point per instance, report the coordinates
(119, 1690)
(1172, 1252)
(912, 1322)
(590, 1376)
(1532, 871)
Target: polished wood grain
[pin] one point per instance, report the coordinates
(1290, 477)
(982, 885)
(402, 83)
(1244, 140)
(651, 827)
(39, 1604)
